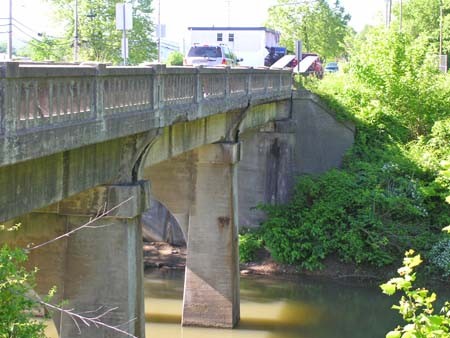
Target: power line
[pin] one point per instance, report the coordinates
(25, 26)
(23, 32)
(34, 39)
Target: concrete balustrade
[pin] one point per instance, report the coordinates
(42, 104)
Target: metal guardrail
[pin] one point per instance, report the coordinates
(42, 97)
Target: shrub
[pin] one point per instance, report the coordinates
(367, 213)
(416, 305)
(439, 256)
(175, 59)
(249, 243)
(16, 319)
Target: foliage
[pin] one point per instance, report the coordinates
(175, 59)
(439, 256)
(421, 18)
(99, 40)
(416, 305)
(321, 27)
(351, 213)
(47, 49)
(389, 194)
(249, 243)
(16, 319)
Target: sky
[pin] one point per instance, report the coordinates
(32, 16)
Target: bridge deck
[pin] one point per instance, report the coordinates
(45, 109)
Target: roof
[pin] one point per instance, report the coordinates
(214, 28)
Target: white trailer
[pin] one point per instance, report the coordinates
(248, 43)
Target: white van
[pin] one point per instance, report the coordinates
(210, 55)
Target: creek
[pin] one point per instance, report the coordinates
(275, 308)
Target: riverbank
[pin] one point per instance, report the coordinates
(165, 256)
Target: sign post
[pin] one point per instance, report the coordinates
(298, 53)
(124, 22)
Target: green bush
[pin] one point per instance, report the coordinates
(353, 214)
(249, 243)
(16, 319)
(439, 256)
(390, 193)
(175, 59)
(416, 305)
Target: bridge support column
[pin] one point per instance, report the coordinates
(104, 267)
(211, 290)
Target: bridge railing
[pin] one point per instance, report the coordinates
(46, 97)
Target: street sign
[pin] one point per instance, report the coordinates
(124, 16)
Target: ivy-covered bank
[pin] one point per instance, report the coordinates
(389, 196)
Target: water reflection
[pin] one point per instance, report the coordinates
(274, 308)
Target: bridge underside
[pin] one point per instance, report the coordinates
(209, 173)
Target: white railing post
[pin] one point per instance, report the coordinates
(159, 77)
(249, 82)
(227, 83)
(98, 102)
(198, 86)
(10, 99)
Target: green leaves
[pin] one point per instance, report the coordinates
(416, 305)
(249, 243)
(388, 288)
(99, 40)
(15, 283)
(322, 27)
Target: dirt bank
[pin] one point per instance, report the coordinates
(166, 256)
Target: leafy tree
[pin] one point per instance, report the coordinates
(389, 194)
(421, 18)
(175, 59)
(48, 48)
(16, 318)
(2, 47)
(99, 40)
(322, 28)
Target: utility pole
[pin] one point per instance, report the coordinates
(10, 44)
(388, 13)
(75, 33)
(440, 27)
(228, 11)
(159, 31)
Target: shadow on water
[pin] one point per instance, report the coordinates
(275, 308)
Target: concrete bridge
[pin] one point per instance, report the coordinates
(207, 144)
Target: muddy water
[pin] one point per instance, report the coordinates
(274, 308)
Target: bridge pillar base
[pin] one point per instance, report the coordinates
(104, 267)
(211, 291)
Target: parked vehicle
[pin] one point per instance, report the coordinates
(210, 55)
(311, 64)
(275, 54)
(331, 67)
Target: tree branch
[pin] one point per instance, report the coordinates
(96, 321)
(89, 225)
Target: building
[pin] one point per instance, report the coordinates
(167, 48)
(248, 43)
